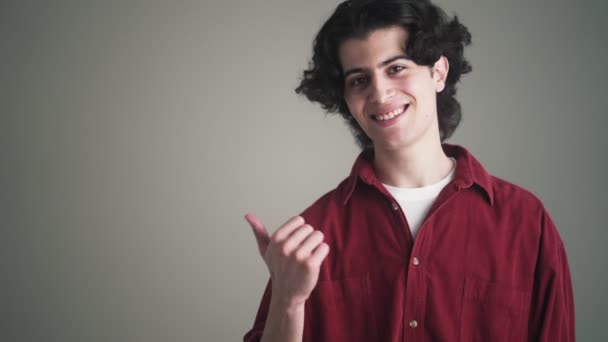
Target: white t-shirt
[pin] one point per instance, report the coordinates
(416, 202)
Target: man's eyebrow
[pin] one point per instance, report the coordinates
(388, 61)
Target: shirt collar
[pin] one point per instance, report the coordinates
(469, 171)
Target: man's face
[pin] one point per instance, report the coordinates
(392, 98)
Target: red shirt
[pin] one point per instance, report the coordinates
(487, 265)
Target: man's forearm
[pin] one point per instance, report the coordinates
(284, 323)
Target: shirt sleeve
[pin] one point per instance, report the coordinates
(552, 310)
(255, 334)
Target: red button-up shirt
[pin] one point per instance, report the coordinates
(488, 264)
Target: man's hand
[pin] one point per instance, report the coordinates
(293, 255)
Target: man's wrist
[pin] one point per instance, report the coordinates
(287, 306)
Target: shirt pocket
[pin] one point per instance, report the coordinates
(341, 310)
(493, 312)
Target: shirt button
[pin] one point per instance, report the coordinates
(395, 206)
(413, 323)
(415, 261)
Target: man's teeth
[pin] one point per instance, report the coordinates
(389, 115)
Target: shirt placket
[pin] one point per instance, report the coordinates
(415, 290)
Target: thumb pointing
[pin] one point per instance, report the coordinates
(260, 232)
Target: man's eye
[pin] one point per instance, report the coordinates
(357, 81)
(396, 68)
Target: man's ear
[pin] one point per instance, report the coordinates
(440, 73)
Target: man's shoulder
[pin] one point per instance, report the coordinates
(332, 197)
(507, 190)
(523, 206)
(514, 199)
(328, 205)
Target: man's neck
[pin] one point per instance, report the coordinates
(412, 166)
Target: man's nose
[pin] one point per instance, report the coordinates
(381, 90)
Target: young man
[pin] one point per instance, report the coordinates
(419, 243)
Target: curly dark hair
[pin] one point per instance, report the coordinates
(431, 34)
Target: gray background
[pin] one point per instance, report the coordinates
(135, 135)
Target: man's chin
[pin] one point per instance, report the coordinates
(391, 146)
